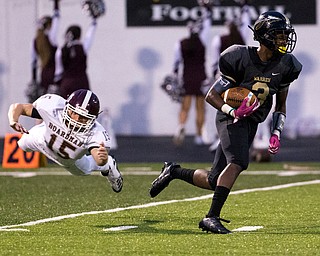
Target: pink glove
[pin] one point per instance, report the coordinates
(245, 110)
(274, 144)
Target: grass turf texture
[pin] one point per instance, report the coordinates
(290, 216)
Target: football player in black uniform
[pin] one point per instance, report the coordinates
(266, 70)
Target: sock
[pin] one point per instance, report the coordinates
(183, 174)
(110, 164)
(219, 197)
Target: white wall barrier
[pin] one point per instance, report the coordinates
(126, 65)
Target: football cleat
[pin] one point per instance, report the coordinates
(163, 180)
(114, 177)
(213, 224)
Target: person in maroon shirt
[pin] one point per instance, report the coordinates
(71, 60)
(190, 57)
(43, 53)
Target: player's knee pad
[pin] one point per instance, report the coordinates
(243, 164)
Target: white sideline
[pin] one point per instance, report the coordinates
(36, 222)
(146, 171)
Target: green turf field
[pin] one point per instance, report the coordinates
(49, 212)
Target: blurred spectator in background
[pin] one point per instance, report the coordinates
(190, 53)
(71, 60)
(43, 50)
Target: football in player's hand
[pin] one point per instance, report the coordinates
(234, 96)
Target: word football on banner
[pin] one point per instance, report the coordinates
(146, 13)
(14, 157)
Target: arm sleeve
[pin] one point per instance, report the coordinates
(245, 22)
(99, 136)
(230, 63)
(33, 53)
(293, 70)
(222, 84)
(35, 114)
(53, 33)
(33, 62)
(88, 40)
(206, 28)
(176, 57)
(215, 51)
(59, 66)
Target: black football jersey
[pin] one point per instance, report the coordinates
(241, 66)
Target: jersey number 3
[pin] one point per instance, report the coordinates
(263, 91)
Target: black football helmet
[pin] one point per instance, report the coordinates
(84, 103)
(268, 26)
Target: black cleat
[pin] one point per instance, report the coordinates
(213, 224)
(163, 180)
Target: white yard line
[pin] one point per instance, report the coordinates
(120, 228)
(247, 228)
(69, 216)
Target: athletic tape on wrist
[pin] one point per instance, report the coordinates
(227, 109)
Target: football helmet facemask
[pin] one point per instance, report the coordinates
(269, 26)
(83, 104)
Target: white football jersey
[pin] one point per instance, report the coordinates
(58, 143)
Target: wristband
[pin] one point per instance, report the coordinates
(278, 120)
(276, 132)
(228, 110)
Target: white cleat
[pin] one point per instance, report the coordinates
(114, 177)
